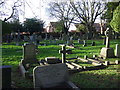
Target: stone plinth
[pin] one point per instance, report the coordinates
(52, 60)
(107, 52)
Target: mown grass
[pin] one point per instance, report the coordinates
(105, 78)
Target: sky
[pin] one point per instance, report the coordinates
(34, 8)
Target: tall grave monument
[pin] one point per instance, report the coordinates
(107, 52)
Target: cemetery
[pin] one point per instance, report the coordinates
(80, 50)
(83, 63)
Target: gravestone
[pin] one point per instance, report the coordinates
(26, 38)
(52, 60)
(70, 42)
(34, 38)
(39, 38)
(107, 52)
(80, 41)
(84, 43)
(51, 76)
(29, 54)
(117, 51)
(93, 44)
(31, 39)
(6, 77)
(46, 36)
(51, 39)
(63, 51)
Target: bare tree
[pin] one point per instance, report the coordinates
(63, 12)
(87, 12)
(12, 8)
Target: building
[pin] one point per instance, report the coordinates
(98, 26)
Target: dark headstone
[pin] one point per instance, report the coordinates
(6, 77)
(93, 44)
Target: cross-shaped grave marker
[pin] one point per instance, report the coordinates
(63, 51)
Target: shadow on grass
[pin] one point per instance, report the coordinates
(96, 79)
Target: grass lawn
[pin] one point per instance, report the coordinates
(105, 78)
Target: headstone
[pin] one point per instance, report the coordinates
(50, 75)
(31, 39)
(93, 44)
(80, 41)
(117, 51)
(84, 43)
(107, 52)
(85, 56)
(6, 77)
(46, 36)
(52, 60)
(39, 38)
(63, 51)
(26, 38)
(117, 61)
(29, 54)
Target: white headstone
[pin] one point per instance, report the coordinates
(50, 75)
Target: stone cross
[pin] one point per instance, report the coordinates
(107, 33)
(63, 51)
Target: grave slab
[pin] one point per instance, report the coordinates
(50, 76)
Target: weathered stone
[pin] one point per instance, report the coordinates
(50, 75)
(23, 71)
(117, 61)
(85, 56)
(52, 60)
(107, 63)
(117, 51)
(107, 52)
(29, 54)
